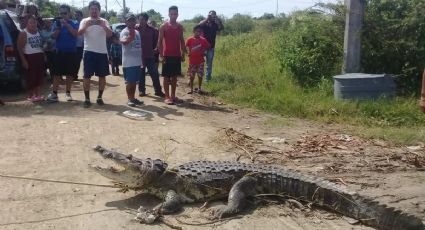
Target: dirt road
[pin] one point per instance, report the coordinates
(53, 141)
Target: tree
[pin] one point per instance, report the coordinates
(267, 16)
(239, 23)
(198, 18)
(155, 16)
(123, 13)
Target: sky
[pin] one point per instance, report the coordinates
(189, 8)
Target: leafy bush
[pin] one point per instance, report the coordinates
(310, 48)
(393, 41)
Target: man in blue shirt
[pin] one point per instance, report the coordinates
(65, 32)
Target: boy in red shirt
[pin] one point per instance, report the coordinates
(197, 46)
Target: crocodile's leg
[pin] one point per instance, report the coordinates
(173, 202)
(241, 190)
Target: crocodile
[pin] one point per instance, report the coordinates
(203, 181)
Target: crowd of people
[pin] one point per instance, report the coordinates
(62, 43)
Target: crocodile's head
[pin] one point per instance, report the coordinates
(137, 173)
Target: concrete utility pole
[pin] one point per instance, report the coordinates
(277, 8)
(352, 40)
(141, 7)
(106, 6)
(124, 8)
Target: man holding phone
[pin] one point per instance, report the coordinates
(95, 30)
(65, 32)
(210, 26)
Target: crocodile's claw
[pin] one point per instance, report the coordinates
(222, 211)
(122, 187)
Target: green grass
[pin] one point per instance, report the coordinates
(246, 73)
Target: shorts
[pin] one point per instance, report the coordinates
(172, 67)
(132, 74)
(64, 64)
(95, 64)
(192, 70)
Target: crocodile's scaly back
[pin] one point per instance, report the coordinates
(277, 180)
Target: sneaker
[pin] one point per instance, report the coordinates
(52, 98)
(87, 104)
(143, 94)
(131, 104)
(68, 97)
(168, 101)
(160, 94)
(99, 101)
(137, 102)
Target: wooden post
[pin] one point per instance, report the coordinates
(352, 40)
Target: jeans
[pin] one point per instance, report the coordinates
(210, 57)
(153, 72)
(115, 65)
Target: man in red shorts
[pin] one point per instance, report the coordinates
(172, 51)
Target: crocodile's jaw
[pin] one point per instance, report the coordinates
(127, 177)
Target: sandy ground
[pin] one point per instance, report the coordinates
(53, 141)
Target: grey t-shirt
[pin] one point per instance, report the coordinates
(132, 52)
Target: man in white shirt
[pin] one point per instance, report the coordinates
(95, 29)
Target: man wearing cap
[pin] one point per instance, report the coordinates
(95, 59)
(131, 58)
(211, 25)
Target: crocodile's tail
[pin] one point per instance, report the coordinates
(371, 212)
(367, 211)
(338, 199)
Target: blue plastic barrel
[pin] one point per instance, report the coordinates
(360, 86)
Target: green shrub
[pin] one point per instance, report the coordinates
(393, 41)
(310, 48)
